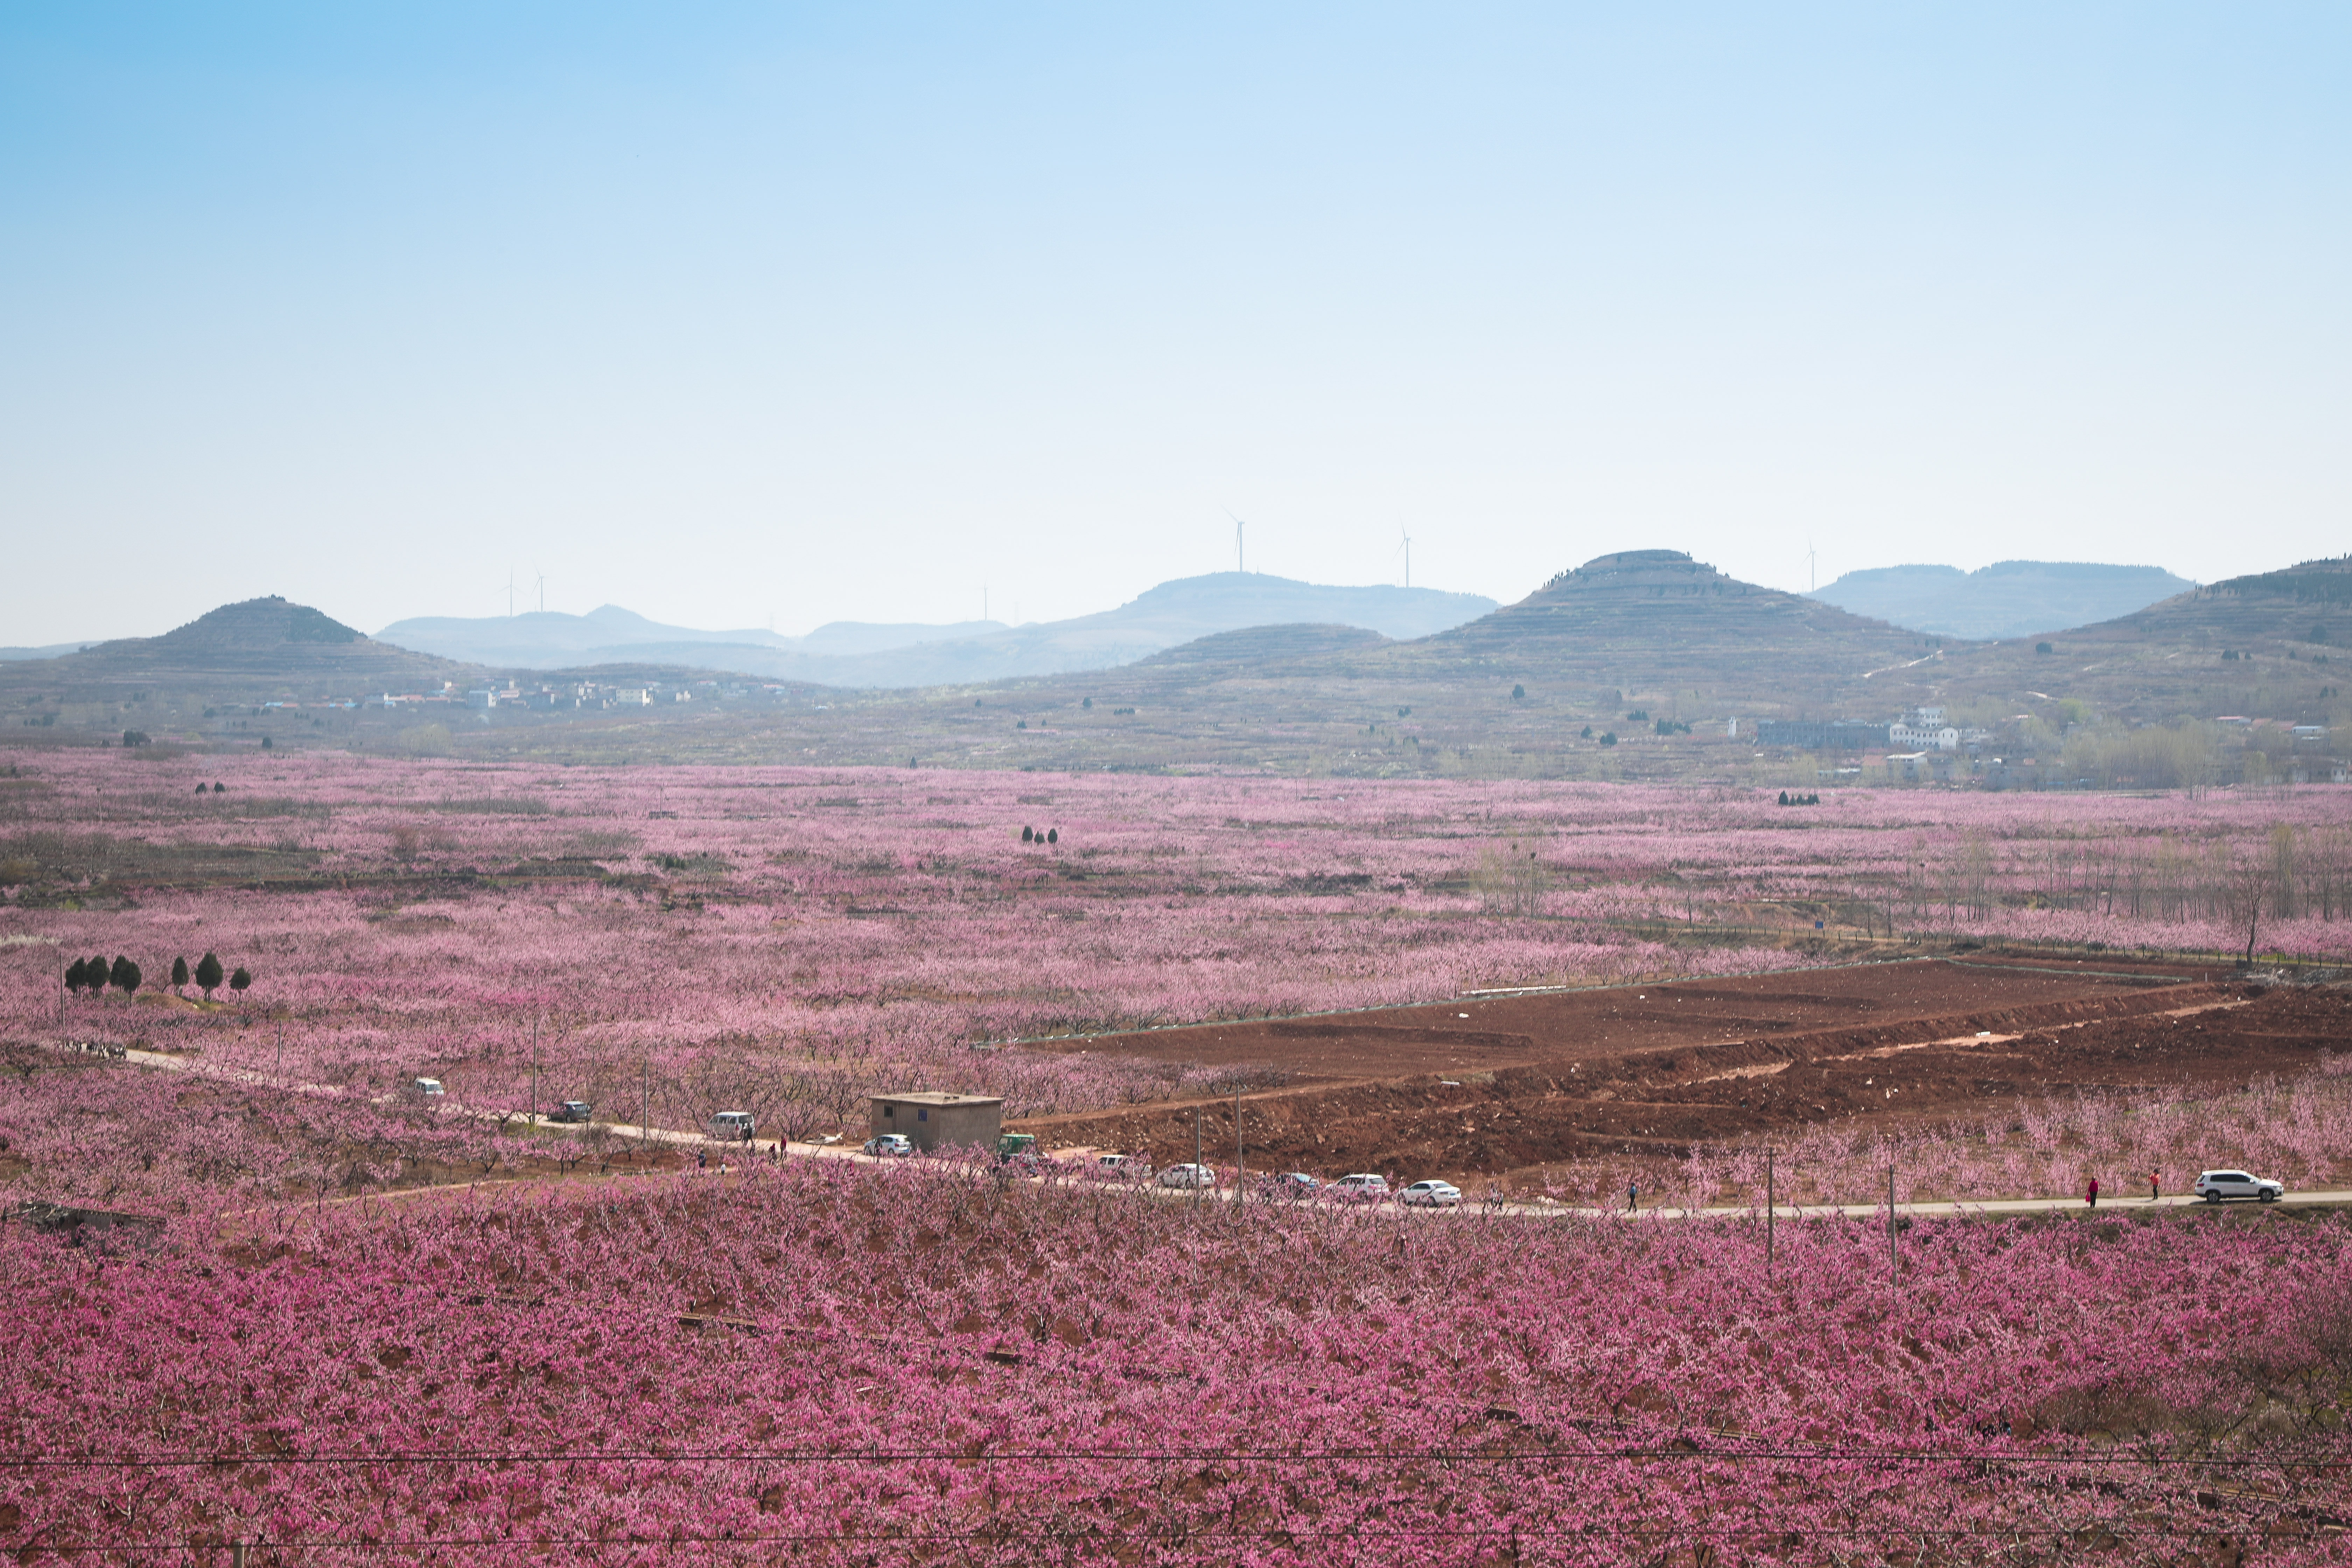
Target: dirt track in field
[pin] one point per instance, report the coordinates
(1489, 1086)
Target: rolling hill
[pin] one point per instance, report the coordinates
(2006, 599)
(854, 654)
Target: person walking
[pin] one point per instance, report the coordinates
(2094, 1199)
(1632, 1197)
(2151, 1186)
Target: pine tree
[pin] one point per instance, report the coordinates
(74, 972)
(179, 972)
(208, 974)
(124, 976)
(240, 979)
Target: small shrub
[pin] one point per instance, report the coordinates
(1028, 834)
(240, 979)
(1519, 694)
(2045, 647)
(1608, 737)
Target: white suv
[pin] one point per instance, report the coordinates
(2215, 1185)
(1363, 1187)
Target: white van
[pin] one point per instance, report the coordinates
(426, 1088)
(731, 1127)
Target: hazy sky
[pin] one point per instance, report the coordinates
(820, 312)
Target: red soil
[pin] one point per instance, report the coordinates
(1499, 1084)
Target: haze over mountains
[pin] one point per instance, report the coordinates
(1640, 664)
(2006, 599)
(861, 654)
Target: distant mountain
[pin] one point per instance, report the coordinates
(51, 651)
(259, 645)
(1652, 618)
(873, 655)
(2006, 599)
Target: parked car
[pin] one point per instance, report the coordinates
(890, 1145)
(1019, 1148)
(1431, 1194)
(1363, 1187)
(2215, 1186)
(1292, 1185)
(1120, 1167)
(733, 1127)
(426, 1088)
(570, 1110)
(1188, 1176)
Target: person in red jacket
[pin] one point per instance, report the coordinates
(2094, 1199)
(2151, 1186)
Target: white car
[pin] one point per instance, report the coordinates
(1431, 1194)
(731, 1127)
(890, 1146)
(426, 1089)
(1188, 1176)
(1119, 1167)
(1363, 1187)
(2214, 1186)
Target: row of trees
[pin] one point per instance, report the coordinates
(95, 974)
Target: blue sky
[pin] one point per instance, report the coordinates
(734, 315)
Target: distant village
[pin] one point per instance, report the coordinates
(1919, 745)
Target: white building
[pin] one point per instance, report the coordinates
(1924, 737)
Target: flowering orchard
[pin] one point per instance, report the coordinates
(828, 1364)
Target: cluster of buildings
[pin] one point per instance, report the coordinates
(1916, 732)
(576, 694)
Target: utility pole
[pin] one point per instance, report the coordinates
(1768, 1209)
(645, 1104)
(533, 1117)
(1196, 1156)
(1894, 1263)
(1240, 1165)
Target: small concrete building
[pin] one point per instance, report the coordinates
(938, 1121)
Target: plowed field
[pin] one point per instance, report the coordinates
(1486, 1085)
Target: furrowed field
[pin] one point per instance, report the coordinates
(329, 1345)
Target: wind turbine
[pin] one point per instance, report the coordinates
(511, 593)
(1407, 549)
(1238, 526)
(542, 591)
(1810, 583)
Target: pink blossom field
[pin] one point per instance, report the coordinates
(827, 1364)
(812, 1362)
(668, 941)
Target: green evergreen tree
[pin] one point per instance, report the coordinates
(179, 972)
(123, 977)
(208, 974)
(74, 972)
(240, 979)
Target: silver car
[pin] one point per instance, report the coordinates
(1431, 1194)
(890, 1145)
(1188, 1176)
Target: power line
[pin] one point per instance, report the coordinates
(1876, 1457)
(1178, 1533)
